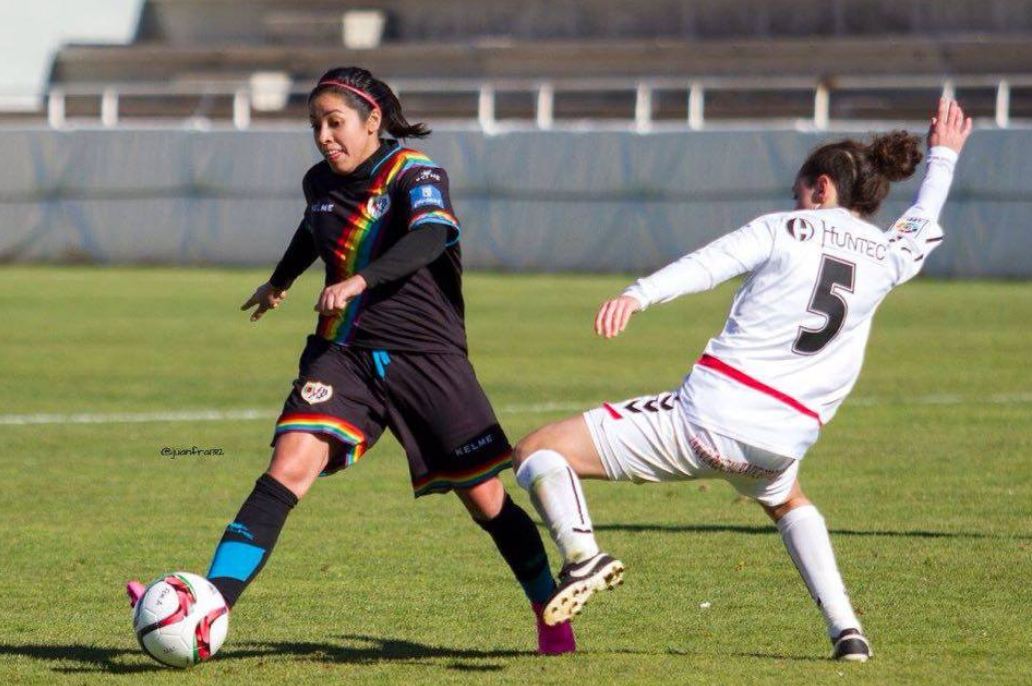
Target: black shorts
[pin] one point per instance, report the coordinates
(432, 403)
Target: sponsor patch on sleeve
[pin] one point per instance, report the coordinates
(422, 196)
(911, 225)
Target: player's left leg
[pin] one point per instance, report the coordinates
(519, 543)
(806, 537)
(548, 463)
(451, 437)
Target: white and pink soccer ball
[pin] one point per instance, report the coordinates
(181, 619)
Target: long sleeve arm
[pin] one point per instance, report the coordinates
(931, 196)
(735, 253)
(300, 255)
(917, 233)
(413, 250)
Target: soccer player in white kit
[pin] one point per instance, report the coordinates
(758, 396)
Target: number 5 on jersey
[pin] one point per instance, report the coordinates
(835, 277)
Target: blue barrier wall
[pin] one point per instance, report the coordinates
(529, 201)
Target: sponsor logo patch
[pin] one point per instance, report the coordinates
(910, 224)
(426, 195)
(314, 392)
(378, 205)
(322, 207)
(800, 229)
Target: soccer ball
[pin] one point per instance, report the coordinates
(181, 619)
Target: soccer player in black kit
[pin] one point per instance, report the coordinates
(390, 346)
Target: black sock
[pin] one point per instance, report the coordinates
(519, 542)
(249, 539)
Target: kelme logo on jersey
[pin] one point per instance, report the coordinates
(314, 392)
(800, 229)
(426, 195)
(427, 174)
(378, 205)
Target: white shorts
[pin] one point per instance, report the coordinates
(649, 439)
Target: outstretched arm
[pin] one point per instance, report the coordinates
(947, 134)
(917, 233)
(735, 253)
(300, 255)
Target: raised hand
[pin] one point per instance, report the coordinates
(949, 127)
(266, 297)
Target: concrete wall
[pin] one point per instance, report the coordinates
(533, 201)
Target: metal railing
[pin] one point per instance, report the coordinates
(544, 95)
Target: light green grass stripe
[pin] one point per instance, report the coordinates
(533, 408)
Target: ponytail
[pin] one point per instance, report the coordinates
(363, 93)
(862, 173)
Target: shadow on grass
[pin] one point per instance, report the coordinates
(356, 649)
(360, 649)
(88, 658)
(781, 656)
(745, 529)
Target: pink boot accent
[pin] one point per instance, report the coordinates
(553, 640)
(134, 589)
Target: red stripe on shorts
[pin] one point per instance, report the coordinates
(612, 412)
(741, 377)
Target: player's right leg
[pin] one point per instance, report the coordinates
(327, 423)
(248, 541)
(772, 481)
(547, 463)
(806, 538)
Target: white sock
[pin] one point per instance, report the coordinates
(806, 537)
(556, 493)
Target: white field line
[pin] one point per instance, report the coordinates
(525, 409)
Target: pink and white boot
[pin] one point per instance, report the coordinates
(134, 589)
(553, 640)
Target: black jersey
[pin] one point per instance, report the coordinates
(351, 220)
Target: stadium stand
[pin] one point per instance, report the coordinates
(214, 46)
(197, 22)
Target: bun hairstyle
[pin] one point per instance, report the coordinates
(362, 92)
(862, 173)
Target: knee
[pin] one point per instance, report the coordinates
(776, 512)
(484, 501)
(530, 444)
(289, 473)
(298, 460)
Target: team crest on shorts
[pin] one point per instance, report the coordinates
(314, 392)
(800, 229)
(378, 205)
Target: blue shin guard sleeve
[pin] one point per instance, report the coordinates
(250, 538)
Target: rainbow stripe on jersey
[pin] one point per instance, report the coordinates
(361, 235)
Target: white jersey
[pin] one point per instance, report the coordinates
(793, 344)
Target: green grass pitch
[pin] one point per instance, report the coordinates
(925, 479)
